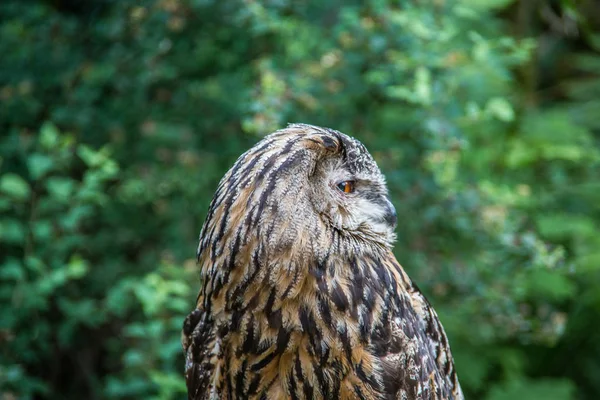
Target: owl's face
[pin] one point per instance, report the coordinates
(349, 191)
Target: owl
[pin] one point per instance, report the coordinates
(301, 296)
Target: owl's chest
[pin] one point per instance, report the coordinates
(303, 350)
(298, 364)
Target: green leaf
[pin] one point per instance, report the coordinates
(91, 157)
(39, 165)
(134, 358)
(500, 108)
(49, 136)
(77, 267)
(12, 231)
(14, 186)
(42, 230)
(12, 270)
(35, 264)
(61, 188)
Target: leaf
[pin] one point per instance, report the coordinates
(91, 157)
(14, 186)
(49, 135)
(500, 108)
(42, 230)
(12, 231)
(134, 358)
(77, 267)
(35, 264)
(61, 188)
(39, 165)
(12, 270)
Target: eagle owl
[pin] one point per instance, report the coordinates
(301, 296)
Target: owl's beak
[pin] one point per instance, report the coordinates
(390, 216)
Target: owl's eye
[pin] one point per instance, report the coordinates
(346, 186)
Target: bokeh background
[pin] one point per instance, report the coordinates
(119, 117)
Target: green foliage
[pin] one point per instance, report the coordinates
(63, 294)
(119, 118)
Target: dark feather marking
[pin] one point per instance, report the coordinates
(309, 327)
(191, 321)
(272, 181)
(239, 384)
(307, 322)
(250, 342)
(343, 335)
(306, 387)
(229, 387)
(283, 338)
(335, 384)
(365, 326)
(262, 347)
(239, 291)
(319, 275)
(369, 299)
(274, 319)
(359, 393)
(323, 386)
(270, 301)
(357, 287)
(369, 378)
(236, 317)
(339, 298)
(325, 352)
(264, 362)
(224, 221)
(325, 312)
(292, 386)
(382, 274)
(266, 168)
(329, 143)
(287, 290)
(254, 384)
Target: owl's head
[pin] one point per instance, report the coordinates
(301, 184)
(347, 189)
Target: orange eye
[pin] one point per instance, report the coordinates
(346, 186)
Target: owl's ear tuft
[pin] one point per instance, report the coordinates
(322, 143)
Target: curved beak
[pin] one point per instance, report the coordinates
(390, 216)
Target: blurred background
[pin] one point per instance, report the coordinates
(119, 117)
